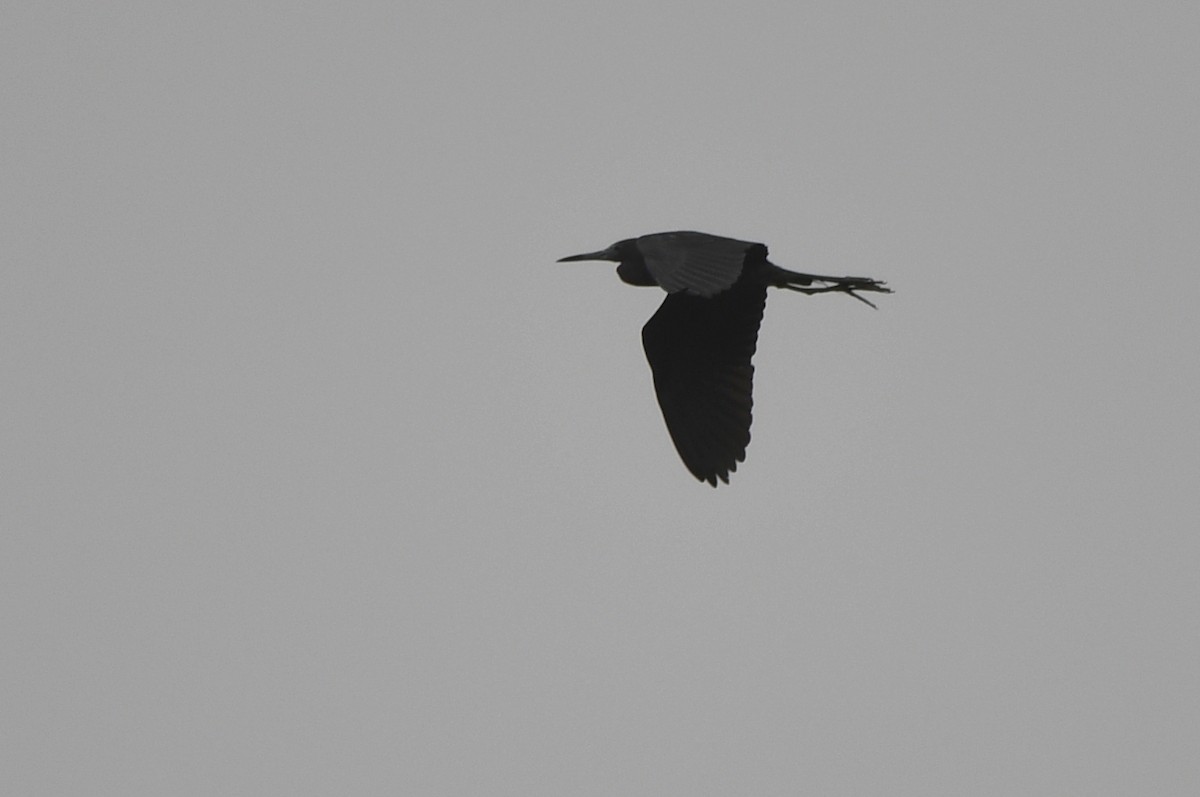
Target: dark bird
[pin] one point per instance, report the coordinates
(702, 339)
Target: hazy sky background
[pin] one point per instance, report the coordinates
(320, 476)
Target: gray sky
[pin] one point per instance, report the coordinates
(320, 475)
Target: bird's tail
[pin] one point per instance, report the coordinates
(815, 283)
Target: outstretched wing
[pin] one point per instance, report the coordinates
(700, 351)
(695, 262)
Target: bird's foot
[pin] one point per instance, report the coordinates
(845, 285)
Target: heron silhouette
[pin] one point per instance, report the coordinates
(701, 340)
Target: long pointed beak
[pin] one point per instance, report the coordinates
(603, 254)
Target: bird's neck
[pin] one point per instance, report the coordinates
(633, 271)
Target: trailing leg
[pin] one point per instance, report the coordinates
(804, 283)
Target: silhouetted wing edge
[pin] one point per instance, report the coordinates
(700, 353)
(703, 265)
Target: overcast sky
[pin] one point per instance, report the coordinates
(320, 476)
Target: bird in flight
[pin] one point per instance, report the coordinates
(702, 339)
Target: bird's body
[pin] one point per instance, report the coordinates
(701, 341)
